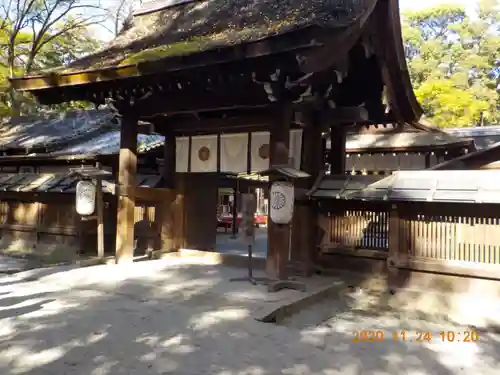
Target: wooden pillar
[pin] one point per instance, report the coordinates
(166, 212)
(394, 259)
(278, 238)
(127, 171)
(305, 218)
(200, 204)
(337, 149)
(169, 160)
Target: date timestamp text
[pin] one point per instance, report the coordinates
(469, 336)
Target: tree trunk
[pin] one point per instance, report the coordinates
(14, 103)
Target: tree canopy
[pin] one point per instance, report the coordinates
(454, 62)
(37, 35)
(453, 57)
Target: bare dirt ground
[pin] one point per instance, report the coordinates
(180, 316)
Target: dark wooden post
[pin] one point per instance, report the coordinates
(127, 171)
(169, 159)
(278, 239)
(304, 227)
(394, 236)
(427, 160)
(337, 149)
(166, 212)
(394, 257)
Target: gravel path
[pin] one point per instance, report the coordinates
(394, 342)
(168, 317)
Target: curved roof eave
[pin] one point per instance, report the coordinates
(149, 40)
(397, 78)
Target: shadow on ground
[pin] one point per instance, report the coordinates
(164, 317)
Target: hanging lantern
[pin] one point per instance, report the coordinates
(282, 198)
(85, 197)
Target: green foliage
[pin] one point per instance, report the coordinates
(453, 57)
(454, 62)
(37, 35)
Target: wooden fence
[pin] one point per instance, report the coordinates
(29, 222)
(443, 237)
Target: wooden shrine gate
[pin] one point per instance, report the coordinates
(206, 79)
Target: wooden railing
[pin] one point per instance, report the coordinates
(468, 239)
(356, 227)
(441, 237)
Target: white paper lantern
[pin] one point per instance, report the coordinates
(85, 198)
(282, 198)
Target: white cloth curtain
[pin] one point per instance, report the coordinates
(181, 154)
(295, 150)
(198, 143)
(234, 150)
(258, 140)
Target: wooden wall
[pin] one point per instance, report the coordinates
(29, 221)
(461, 239)
(200, 199)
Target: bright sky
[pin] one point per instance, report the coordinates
(421, 4)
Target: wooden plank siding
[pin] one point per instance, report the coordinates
(461, 239)
(51, 219)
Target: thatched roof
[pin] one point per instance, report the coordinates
(83, 132)
(52, 131)
(207, 24)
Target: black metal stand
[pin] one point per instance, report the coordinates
(250, 278)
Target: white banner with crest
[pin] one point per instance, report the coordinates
(204, 153)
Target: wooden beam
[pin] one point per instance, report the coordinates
(203, 100)
(343, 115)
(127, 171)
(278, 240)
(197, 123)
